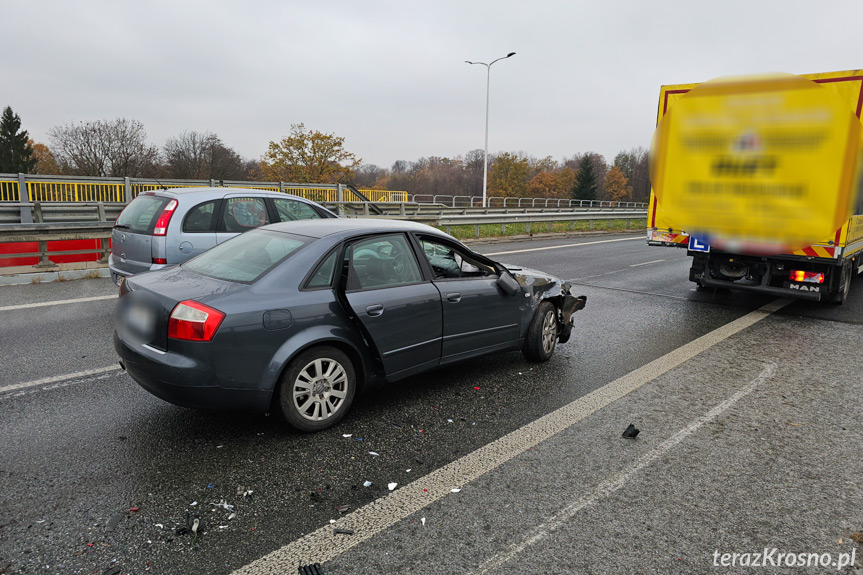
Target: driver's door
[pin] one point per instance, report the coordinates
(400, 312)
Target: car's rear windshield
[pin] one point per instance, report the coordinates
(246, 257)
(141, 214)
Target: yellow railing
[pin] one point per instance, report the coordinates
(68, 190)
(75, 192)
(9, 191)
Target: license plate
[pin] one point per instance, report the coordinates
(141, 319)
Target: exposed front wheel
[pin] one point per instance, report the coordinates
(317, 389)
(542, 333)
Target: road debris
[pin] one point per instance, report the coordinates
(113, 521)
(224, 505)
(346, 435)
(374, 453)
(232, 516)
(630, 432)
(392, 486)
(340, 531)
(193, 503)
(423, 521)
(455, 490)
(342, 508)
(134, 509)
(367, 484)
(240, 490)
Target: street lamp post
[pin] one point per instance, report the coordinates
(487, 86)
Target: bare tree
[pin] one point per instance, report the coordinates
(202, 155)
(104, 148)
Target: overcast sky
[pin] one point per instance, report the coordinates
(390, 77)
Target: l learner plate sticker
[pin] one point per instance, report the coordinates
(698, 244)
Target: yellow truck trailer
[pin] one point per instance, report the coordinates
(820, 272)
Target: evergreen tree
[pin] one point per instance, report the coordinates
(16, 153)
(585, 181)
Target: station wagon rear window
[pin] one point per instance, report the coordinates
(141, 214)
(247, 257)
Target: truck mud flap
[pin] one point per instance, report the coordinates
(768, 290)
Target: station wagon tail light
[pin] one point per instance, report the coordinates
(807, 277)
(160, 260)
(161, 228)
(193, 321)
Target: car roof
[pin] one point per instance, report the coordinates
(221, 192)
(350, 227)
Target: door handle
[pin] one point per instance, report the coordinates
(453, 297)
(375, 310)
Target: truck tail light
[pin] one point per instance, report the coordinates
(161, 228)
(807, 277)
(193, 321)
(160, 261)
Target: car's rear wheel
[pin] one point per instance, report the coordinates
(542, 333)
(317, 389)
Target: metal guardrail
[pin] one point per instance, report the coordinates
(505, 201)
(101, 230)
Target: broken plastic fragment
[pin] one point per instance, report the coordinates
(134, 509)
(449, 421)
(455, 489)
(193, 503)
(210, 486)
(346, 435)
(223, 526)
(476, 388)
(113, 521)
(407, 470)
(195, 524)
(342, 508)
(159, 526)
(392, 486)
(240, 490)
(332, 521)
(219, 446)
(423, 520)
(231, 516)
(367, 484)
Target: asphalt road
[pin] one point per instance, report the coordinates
(97, 475)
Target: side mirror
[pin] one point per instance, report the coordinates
(508, 284)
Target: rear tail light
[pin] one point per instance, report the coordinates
(807, 277)
(161, 228)
(193, 321)
(160, 261)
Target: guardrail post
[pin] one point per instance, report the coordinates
(37, 212)
(591, 223)
(212, 183)
(527, 228)
(550, 226)
(476, 230)
(24, 198)
(365, 208)
(503, 229)
(628, 221)
(100, 212)
(127, 189)
(572, 225)
(282, 187)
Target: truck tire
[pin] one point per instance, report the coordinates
(844, 285)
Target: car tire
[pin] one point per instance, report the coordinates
(317, 389)
(541, 334)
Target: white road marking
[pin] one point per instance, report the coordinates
(646, 263)
(614, 483)
(323, 545)
(563, 246)
(57, 302)
(58, 378)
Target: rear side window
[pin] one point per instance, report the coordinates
(247, 257)
(141, 214)
(200, 218)
(323, 276)
(289, 210)
(244, 214)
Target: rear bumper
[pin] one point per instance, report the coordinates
(767, 290)
(183, 380)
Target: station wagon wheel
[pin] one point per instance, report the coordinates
(542, 333)
(317, 389)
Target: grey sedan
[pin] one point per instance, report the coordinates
(300, 317)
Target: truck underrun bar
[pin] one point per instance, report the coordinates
(777, 291)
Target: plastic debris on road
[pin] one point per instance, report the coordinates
(342, 508)
(630, 432)
(392, 486)
(193, 503)
(113, 521)
(375, 453)
(224, 505)
(367, 484)
(346, 435)
(455, 489)
(232, 516)
(423, 521)
(240, 490)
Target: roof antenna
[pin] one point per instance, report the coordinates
(161, 185)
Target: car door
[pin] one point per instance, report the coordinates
(196, 234)
(241, 214)
(400, 311)
(478, 316)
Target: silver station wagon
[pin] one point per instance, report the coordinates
(168, 227)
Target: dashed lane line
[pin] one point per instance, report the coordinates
(646, 263)
(58, 378)
(323, 544)
(563, 246)
(614, 483)
(57, 302)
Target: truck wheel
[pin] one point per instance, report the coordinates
(541, 334)
(845, 286)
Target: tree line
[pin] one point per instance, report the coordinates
(119, 147)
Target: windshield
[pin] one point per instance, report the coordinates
(141, 214)
(247, 257)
